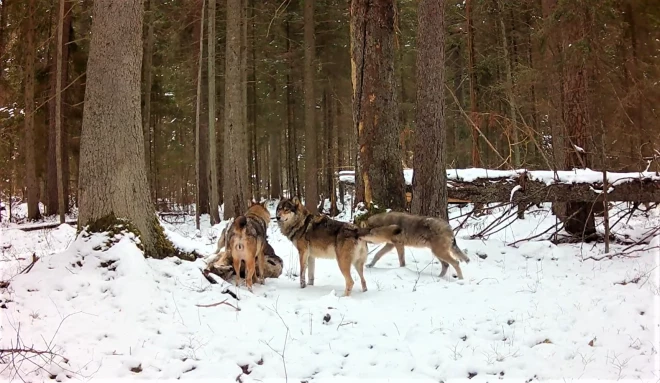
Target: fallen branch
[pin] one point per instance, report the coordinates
(220, 303)
(29, 267)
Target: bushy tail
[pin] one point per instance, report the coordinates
(382, 234)
(458, 253)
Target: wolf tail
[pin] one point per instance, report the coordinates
(380, 234)
(458, 253)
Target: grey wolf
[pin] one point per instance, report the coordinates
(245, 240)
(319, 236)
(420, 232)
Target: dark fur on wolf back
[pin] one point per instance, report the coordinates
(316, 224)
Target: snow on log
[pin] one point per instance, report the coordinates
(522, 186)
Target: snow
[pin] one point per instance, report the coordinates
(546, 176)
(534, 311)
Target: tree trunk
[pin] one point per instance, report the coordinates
(58, 112)
(29, 146)
(213, 183)
(113, 179)
(3, 31)
(198, 116)
(236, 186)
(580, 218)
(311, 162)
(375, 103)
(332, 154)
(57, 123)
(292, 157)
(275, 149)
(476, 158)
(430, 177)
(252, 102)
(147, 78)
(510, 93)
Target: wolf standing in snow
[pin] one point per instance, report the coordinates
(421, 232)
(319, 236)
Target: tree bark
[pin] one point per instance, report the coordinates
(430, 178)
(236, 182)
(56, 101)
(113, 179)
(198, 117)
(213, 183)
(580, 218)
(476, 158)
(30, 148)
(510, 93)
(147, 78)
(375, 103)
(275, 149)
(311, 161)
(58, 112)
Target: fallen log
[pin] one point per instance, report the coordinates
(532, 187)
(45, 225)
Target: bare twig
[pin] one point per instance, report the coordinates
(220, 303)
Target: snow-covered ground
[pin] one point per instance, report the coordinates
(534, 311)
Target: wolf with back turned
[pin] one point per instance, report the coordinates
(420, 232)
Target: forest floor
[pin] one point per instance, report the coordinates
(528, 312)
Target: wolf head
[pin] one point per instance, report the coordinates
(288, 210)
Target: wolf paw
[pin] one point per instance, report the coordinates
(310, 282)
(369, 265)
(303, 284)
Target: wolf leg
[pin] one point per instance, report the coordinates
(344, 261)
(445, 267)
(359, 266)
(311, 268)
(303, 252)
(454, 264)
(380, 254)
(400, 251)
(249, 271)
(237, 268)
(261, 262)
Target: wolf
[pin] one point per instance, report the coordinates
(245, 240)
(319, 236)
(420, 232)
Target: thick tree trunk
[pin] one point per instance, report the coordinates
(311, 161)
(32, 183)
(213, 183)
(430, 177)
(113, 179)
(580, 218)
(147, 80)
(236, 182)
(56, 101)
(198, 116)
(375, 103)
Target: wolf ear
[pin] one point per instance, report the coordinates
(241, 222)
(296, 201)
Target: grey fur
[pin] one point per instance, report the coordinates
(420, 232)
